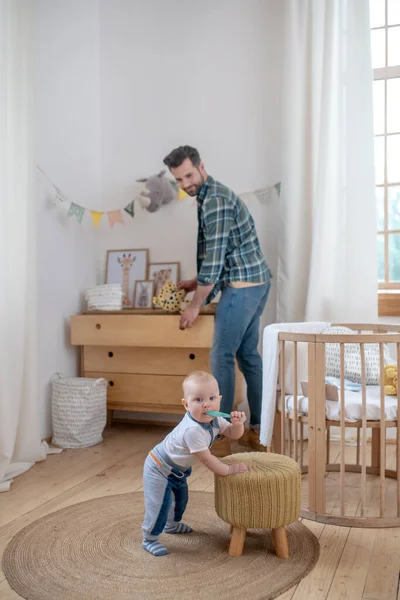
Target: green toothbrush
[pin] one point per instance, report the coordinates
(216, 413)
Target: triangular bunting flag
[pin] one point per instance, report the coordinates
(182, 194)
(115, 216)
(277, 186)
(60, 197)
(96, 216)
(130, 208)
(174, 184)
(262, 195)
(77, 211)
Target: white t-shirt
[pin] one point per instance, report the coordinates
(189, 436)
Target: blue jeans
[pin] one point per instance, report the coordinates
(236, 334)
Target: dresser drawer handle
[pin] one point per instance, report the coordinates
(111, 383)
(192, 356)
(111, 354)
(98, 326)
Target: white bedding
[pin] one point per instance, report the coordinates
(353, 405)
(270, 369)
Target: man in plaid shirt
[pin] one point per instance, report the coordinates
(229, 259)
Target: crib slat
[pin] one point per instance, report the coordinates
(295, 400)
(301, 445)
(398, 437)
(383, 431)
(358, 447)
(283, 398)
(320, 426)
(342, 431)
(312, 445)
(328, 444)
(364, 431)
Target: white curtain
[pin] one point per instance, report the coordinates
(20, 444)
(327, 258)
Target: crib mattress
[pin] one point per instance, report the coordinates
(353, 405)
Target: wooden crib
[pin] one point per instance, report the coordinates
(364, 492)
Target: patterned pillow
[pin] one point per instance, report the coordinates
(352, 359)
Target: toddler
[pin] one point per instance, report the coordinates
(169, 464)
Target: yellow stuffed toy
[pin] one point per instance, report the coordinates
(390, 380)
(170, 298)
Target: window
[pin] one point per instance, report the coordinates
(385, 50)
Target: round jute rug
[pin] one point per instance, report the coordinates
(92, 551)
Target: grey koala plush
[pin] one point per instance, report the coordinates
(158, 191)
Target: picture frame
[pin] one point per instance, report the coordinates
(160, 272)
(143, 294)
(126, 267)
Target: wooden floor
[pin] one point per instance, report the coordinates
(354, 563)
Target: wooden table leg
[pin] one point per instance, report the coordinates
(237, 541)
(280, 542)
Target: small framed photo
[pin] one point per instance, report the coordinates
(126, 267)
(143, 294)
(159, 273)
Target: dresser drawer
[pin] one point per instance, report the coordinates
(161, 331)
(143, 393)
(157, 361)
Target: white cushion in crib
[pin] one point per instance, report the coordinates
(352, 358)
(353, 406)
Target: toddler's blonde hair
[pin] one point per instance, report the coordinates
(197, 377)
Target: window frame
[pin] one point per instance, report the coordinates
(385, 73)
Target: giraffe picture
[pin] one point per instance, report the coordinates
(126, 267)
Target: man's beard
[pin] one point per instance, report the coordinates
(194, 189)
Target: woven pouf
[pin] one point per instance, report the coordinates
(266, 496)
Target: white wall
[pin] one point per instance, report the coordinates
(67, 134)
(172, 74)
(119, 85)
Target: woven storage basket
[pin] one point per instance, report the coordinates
(79, 411)
(105, 297)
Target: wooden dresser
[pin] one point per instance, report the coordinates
(144, 356)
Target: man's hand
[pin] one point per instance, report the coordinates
(237, 417)
(237, 468)
(189, 285)
(188, 317)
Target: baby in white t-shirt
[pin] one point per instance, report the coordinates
(169, 464)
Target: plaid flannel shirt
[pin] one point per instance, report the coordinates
(228, 248)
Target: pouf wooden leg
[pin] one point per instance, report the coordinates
(237, 541)
(280, 542)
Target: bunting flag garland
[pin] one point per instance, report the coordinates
(59, 197)
(96, 216)
(130, 209)
(263, 195)
(77, 211)
(115, 216)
